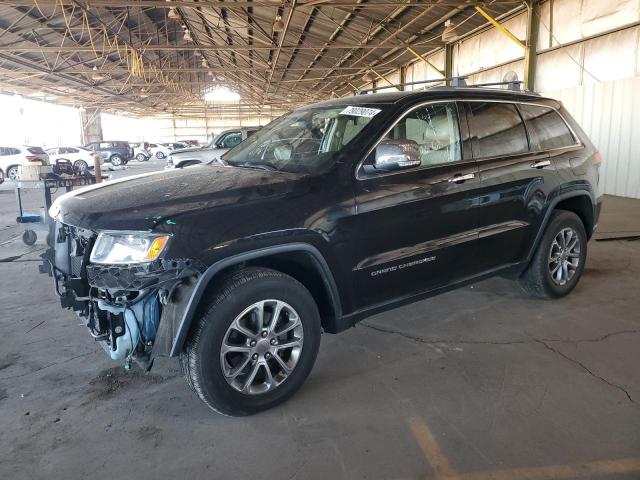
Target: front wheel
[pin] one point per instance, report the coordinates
(160, 155)
(12, 173)
(1, 177)
(116, 160)
(559, 260)
(80, 167)
(255, 344)
(141, 157)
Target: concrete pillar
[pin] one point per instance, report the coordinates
(91, 125)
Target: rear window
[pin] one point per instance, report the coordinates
(36, 150)
(547, 129)
(496, 130)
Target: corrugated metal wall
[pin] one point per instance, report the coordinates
(609, 113)
(588, 57)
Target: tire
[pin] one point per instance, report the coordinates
(1, 177)
(546, 276)
(80, 167)
(12, 173)
(29, 237)
(116, 160)
(160, 155)
(250, 390)
(141, 157)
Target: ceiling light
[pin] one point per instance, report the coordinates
(278, 24)
(187, 36)
(143, 93)
(173, 15)
(449, 33)
(205, 64)
(95, 74)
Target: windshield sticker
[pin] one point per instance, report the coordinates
(360, 111)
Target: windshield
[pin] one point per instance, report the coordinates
(304, 141)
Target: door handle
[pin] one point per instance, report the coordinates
(540, 164)
(459, 178)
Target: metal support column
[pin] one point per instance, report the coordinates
(530, 53)
(448, 62)
(91, 125)
(403, 77)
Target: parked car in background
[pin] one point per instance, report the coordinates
(176, 145)
(14, 156)
(159, 150)
(141, 151)
(80, 158)
(191, 143)
(115, 152)
(213, 151)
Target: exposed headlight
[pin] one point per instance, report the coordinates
(117, 248)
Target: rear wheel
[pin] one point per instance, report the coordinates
(116, 160)
(255, 345)
(1, 177)
(141, 157)
(160, 155)
(12, 173)
(559, 260)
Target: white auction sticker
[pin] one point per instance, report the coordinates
(360, 111)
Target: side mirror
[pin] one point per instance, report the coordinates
(397, 155)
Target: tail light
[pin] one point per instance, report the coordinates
(597, 158)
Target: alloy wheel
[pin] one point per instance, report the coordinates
(12, 173)
(564, 256)
(261, 347)
(80, 167)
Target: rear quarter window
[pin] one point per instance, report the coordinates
(546, 127)
(36, 150)
(496, 129)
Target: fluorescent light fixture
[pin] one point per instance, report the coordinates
(221, 94)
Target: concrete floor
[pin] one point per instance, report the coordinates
(480, 383)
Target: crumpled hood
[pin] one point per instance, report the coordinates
(143, 202)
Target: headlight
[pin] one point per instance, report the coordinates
(117, 248)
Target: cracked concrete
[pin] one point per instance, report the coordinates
(502, 381)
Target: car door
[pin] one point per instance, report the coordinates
(415, 228)
(516, 179)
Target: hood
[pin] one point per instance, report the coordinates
(202, 154)
(190, 149)
(143, 202)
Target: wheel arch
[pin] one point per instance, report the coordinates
(578, 201)
(302, 261)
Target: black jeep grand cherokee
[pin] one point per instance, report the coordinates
(329, 214)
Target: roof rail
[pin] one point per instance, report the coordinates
(515, 85)
(459, 82)
(455, 82)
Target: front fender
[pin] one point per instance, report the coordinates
(175, 328)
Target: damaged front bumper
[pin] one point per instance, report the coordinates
(130, 310)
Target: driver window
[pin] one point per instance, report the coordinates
(434, 128)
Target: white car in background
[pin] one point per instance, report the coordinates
(158, 150)
(14, 156)
(81, 158)
(141, 151)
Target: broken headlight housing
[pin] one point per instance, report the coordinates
(122, 248)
